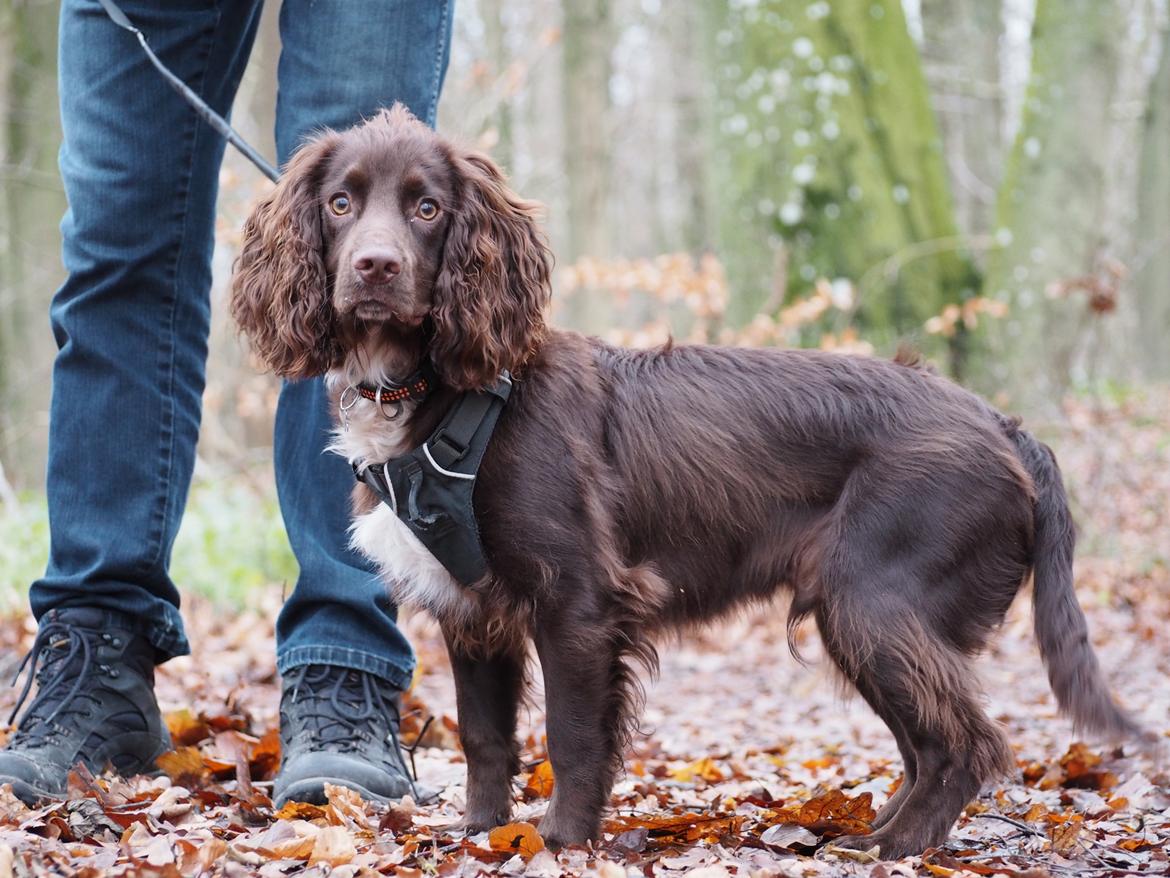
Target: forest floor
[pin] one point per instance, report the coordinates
(749, 763)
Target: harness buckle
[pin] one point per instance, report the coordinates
(448, 450)
(383, 487)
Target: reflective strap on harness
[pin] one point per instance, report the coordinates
(450, 442)
(431, 488)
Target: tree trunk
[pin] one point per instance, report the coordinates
(961, 51)
(499, 58)
(30, 212)
(693, 96)
(1152, 263)
(1061, 212)
(832, 152)
(586, 45)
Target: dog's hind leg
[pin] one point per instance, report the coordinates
(488, 690)
(925, 691)
(873, 697)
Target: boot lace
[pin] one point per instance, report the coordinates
(347, 712)
(62, 663)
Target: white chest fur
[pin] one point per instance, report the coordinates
(413, 575)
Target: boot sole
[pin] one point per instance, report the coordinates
(312, 790)
(30, 795)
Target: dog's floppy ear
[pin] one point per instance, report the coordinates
(279, 288)
(493, 286)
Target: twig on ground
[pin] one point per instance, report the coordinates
(1020, 825)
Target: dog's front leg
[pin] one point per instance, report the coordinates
(587, 697)
(487, 693)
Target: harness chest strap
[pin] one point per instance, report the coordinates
(431, 488)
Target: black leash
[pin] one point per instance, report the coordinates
(197, 103)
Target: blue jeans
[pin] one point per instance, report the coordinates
(132, 319)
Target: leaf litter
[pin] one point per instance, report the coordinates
(749, 764)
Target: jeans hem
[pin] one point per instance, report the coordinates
(397, 674)
(167, 636)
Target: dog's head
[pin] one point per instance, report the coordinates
(389, 233)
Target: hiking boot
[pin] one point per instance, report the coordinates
(339, 726)
(94, 704)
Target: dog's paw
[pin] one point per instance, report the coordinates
(557, 835)
(474, 823)
(878, 845)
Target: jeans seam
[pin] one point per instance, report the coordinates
(169, 346)
(437, 72)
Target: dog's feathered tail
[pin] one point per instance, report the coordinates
(1060, 626)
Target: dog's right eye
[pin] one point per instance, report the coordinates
(339, 204)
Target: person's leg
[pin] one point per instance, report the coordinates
(341, 62)
(131, 323)
(131, 320)
(341, 655)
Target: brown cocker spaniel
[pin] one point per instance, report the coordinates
(626, 493)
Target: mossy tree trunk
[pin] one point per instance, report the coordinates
(1053, 198)
(833, 153)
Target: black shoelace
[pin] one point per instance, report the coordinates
(65, 656)
(353, 702)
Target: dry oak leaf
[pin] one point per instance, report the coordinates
(346, 808)
(265, 756)
(679, 828)
(1081, 769)
(184, 766)
(186, 728)
(1036, 812)
(283, 840)
(198, 858)
(517, 838)
(704, 768)
(334, 846)
(1066, 835)
(831, 814)
(941, 871)
(299, 811)
(940, 863)
(540, 783)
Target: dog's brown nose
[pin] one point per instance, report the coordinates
(377, 266)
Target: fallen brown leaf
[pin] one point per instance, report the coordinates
(540, 782)
(334, 845)
(185, 765)
(519, 838)
(1066, 835)
(831, 814)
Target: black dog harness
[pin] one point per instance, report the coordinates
(430, 488)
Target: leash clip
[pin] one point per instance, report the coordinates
(344, 406)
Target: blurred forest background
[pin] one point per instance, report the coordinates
(987, 180)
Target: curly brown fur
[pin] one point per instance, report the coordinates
(630, 493)
(492, 289)
(279, 291)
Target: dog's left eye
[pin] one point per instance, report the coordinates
(427, 209)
